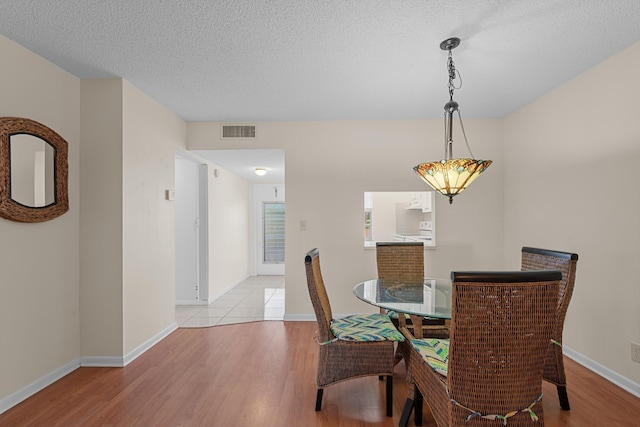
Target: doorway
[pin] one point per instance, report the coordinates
(190, 230)
(267, 187)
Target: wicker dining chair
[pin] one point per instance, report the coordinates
(566, 262)
(405, 261)
(490, 370)
(344, 356)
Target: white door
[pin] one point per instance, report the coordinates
(186, 231)
(270, 238)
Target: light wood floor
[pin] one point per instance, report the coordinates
(263, 374)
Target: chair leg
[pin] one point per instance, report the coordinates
(562, 396)
(389, 393)
(417, 405)
(319, 399)
(397, 357)
(406, 413)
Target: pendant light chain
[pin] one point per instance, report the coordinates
(452, 76)
(453, 73)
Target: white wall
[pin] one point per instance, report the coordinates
(571, 184)
(39, 263)
(329, 165)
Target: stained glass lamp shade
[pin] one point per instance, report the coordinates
(451, 177)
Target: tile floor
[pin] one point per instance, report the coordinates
(256, 298)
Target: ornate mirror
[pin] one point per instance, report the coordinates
(33, 171)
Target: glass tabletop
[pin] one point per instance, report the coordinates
(429, 298)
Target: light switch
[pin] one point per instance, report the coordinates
(169, 194)
(303, 225)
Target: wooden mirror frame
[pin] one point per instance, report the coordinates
(9, 208)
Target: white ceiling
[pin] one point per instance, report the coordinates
(264, 60)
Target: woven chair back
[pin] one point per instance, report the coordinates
(566, 263)
(500, 330)
(318, 295)
(400, 260)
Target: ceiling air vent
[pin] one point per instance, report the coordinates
(238, 131)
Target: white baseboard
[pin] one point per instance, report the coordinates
(31, 389)
(122, 361)
(606, 373)
(308, 317)
(102, 361)
(212, 298)
(116, 361)
(93, 361)
(133, 354)
(191, 302)
(299, 317)
(305, 317)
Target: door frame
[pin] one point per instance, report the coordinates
(202, 295)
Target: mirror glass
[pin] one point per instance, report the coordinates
(32, 166)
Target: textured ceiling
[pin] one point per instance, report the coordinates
(244, 163)
(251, 60)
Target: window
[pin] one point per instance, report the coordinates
(273, 226)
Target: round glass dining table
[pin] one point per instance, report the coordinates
(429, 298)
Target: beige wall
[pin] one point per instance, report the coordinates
(230, 230)
(571, 184)
(329, 165)
(151, 136)
(101, 218)
(127, 234)
(96, 283)
(39, 263)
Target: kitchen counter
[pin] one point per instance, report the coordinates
(427, 240)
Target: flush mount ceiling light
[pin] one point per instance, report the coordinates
(260, 171)
(451, 176)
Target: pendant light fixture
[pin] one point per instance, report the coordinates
(451, 176)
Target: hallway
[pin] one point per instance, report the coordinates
(256, 298)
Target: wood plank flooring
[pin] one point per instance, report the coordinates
(263, 374)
